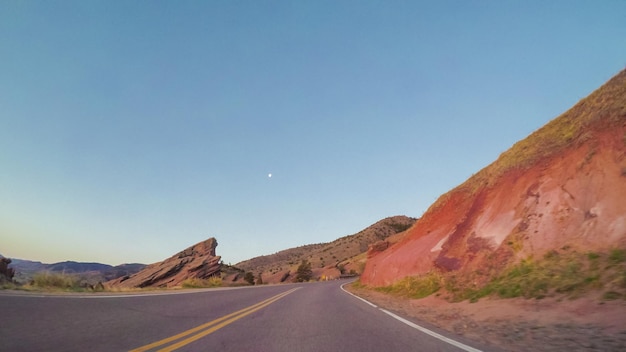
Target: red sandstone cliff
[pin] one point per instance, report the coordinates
(564, 186)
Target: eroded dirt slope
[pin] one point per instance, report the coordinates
(562, 187)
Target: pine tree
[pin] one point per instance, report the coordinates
(304, 272)
(249, 278)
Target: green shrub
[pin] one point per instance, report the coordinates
(617, 256)
(593, 256)
(249, 278)
(611, 296)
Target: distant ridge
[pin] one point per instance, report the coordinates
(25, 269)
(78, 267)
(328, 260)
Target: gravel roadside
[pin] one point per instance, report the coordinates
(585, 324)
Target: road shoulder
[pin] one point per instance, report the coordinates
(538, 325)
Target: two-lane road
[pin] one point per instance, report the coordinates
(303, 317)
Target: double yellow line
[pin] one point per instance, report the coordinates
(205, 329)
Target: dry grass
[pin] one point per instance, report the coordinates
(416, 287)
(214, 281)
(565, 274)
(46, 281)
(605, 108)
(53, 281)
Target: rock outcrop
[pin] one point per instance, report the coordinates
(196, 262)
(377, 247)
(6, 273)
(563, 187)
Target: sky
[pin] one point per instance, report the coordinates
(131, 130)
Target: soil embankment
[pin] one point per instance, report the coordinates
(585, 324)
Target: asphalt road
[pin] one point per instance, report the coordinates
(300, 317)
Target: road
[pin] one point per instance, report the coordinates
(299, 317)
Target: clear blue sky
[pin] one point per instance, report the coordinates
(130, 130)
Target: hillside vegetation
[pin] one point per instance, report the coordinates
(603, 109)
(569, 274)
(328, 260)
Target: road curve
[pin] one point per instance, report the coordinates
(299, 317)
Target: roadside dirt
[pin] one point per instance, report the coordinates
(584, 324)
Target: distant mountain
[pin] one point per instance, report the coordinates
(27, 266)
(76, 267)
(25, 269)
(328, 260)
(122, 270)
(559, 193)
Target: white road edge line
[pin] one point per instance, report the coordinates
(432, 333)
(121, 295)
(357, 297)
(415, 326)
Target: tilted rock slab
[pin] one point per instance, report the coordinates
(196, 262)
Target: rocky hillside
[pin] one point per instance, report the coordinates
(559, 192)
(328, 260)
(196, 262)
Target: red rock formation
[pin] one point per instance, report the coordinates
(198, 261)
(377, 247)
(562, 187)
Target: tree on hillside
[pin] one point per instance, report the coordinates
(249, 278)
(259, 280)
(6, 272)
(304, 272)
(342, 268)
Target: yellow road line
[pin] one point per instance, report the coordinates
(211, 326)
